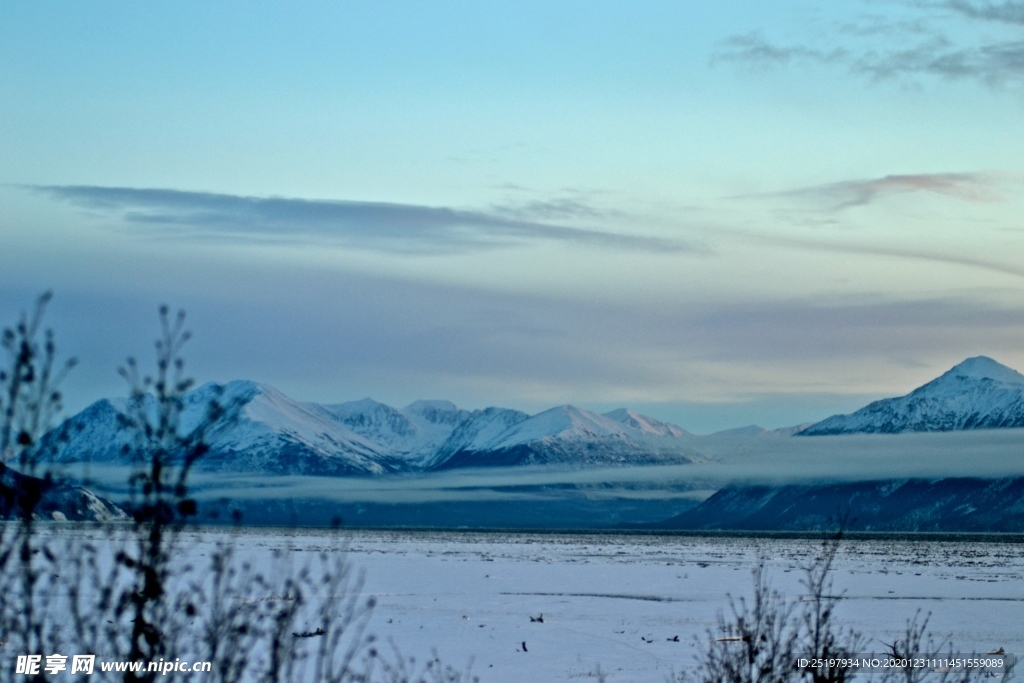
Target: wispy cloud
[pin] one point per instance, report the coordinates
(912, 254)
(569, 204)
(834, 246)
(930, 45)
(994, 64)
(408, 228)
(969, 187)
(752, 48)
(1002, 12)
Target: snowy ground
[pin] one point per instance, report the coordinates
(615, 601)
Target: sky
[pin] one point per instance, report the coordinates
(714, 213)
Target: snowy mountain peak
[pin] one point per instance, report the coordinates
(645, 424)
(572, 411)
(983, 367)
(370, 418)
(238, 386)
(239, 389)
(578, 420)
(561, 422)
(978, 393)
(236, 391)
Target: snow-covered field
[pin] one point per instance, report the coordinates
(619, 601)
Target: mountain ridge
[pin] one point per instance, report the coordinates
(274, 434)
(952, 504)
(977, 393)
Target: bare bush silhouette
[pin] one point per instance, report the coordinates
(822, 637)
(756, 643)
(29, 401)
(763, 639)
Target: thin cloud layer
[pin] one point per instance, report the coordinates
(382, 226)
(969, 187)
(820, 205)
(751, 460)
(841, 247)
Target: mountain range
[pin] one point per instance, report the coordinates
(265, 433)
(271, 433)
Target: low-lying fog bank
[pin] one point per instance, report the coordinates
(560, 497)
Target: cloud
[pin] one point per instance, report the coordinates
(1001, 12)
(765, 460)
(560, 208)
(969, 187)
(865, 46)
(753, 48)
(994, 64)
(829, 199)
(407, 228)
(886, 27)
(917, 255)
(866, 249)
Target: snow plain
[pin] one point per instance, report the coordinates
(618, 601)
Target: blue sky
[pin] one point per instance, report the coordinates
(717, 213)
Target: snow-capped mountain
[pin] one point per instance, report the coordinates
(480, 428)
(392, 430)
(645, 424)
(570, 435)
(979, 393)
(424, 433)
(267, 432)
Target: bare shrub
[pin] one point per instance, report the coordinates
(822, 637)
(916, 642)
(756, 643)
(763, 639)
(29, 401)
